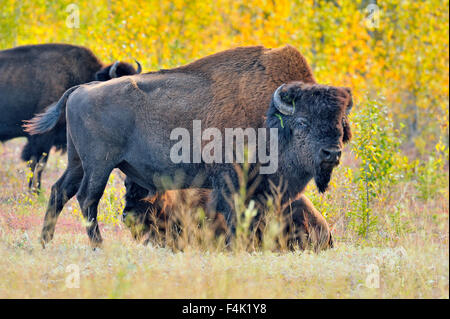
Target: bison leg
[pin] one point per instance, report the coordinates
(221, 201)
(32, 165)
(133, 196)
(36, 152)
(63, 190)
(136, 210)
(306, 227)
(91, 190)
(37, 172)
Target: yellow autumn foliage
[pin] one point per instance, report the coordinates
(398, 50)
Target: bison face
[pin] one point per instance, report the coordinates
(312, 126)
(117, 70)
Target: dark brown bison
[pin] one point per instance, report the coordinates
(160, 216)
(156, 217)
(127, 123)
(34, 76)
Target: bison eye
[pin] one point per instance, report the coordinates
(302, 122)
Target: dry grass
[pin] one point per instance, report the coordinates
(411, 264)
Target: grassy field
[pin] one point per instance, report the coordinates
(412, 264)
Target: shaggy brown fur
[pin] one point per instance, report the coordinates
(157, 217)
(243, 80)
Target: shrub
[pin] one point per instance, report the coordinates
(376, 146)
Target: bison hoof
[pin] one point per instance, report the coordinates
(96, 245)
(45, 238)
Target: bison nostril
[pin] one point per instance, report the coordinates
(330, 155)
(326, 154)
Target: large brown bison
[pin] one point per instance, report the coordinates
(157, 217)
(127, 123)
(34, 76)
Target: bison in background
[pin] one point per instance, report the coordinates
(131, 120)
(32, 77)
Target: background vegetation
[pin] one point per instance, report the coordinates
(390, 193)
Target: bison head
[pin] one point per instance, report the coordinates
(312, 122)
(117, 69)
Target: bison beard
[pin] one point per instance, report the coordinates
(322, 176)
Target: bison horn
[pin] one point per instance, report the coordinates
(281, 106)
(112, 70)
(139, 69)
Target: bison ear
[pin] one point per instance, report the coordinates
(284, 97)
(102, 75)
(347, 130)
(350, 101)
(345, 123)
(291, 92)
(275, 119)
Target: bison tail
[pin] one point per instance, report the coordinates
(44, 122)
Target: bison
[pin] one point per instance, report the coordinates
(34, 76)
(126, 123)
(161, 218)
(156, 217)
